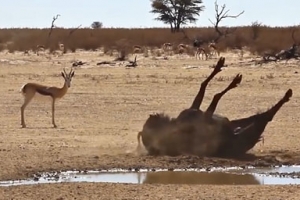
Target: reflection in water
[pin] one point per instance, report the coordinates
(229, 177)
(215, 178)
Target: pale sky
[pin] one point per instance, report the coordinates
(135, 13)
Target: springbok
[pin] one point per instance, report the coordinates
(30, 89)
(182, 48)
(185, 46)
(61, 47)
(137, 49)
(200, 52)
(167, 46)
(40, 48)
(26, 52)
(60, 51)
(213, 49)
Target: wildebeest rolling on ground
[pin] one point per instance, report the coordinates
(204, 133)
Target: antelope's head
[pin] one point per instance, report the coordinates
(68, 76)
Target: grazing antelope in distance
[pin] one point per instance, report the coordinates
(200, 52)
(137, 49)
(167, 46)
(40, 48)
(30, 89)
(26, 52)
(60, 51)
(61, 47)
(213, 49)
(182, 48)
(239, 50)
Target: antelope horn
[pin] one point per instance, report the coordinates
(65, 71)
(71, 71)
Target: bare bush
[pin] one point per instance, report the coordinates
(123, 46)
(256, 28)
(270, 38)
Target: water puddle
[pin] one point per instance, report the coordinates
(283, 175)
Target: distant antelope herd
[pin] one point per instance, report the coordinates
(40, 49)
(201, 52)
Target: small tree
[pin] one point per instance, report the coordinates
(256, 27)
(177, 12)
(97, 25)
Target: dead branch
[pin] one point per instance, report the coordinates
(52, 26)
(72, 31)
(78, 63)
(220, 15)
(106, 63)
(266, 59)
(282, 55)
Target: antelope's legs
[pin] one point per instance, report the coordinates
(199, 98)
(53, 112)
(27, 100)
(213, 105)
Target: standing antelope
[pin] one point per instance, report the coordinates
(30, 89)
(167, 46)
(137, 49)
(182, 48)
(213, 49)
(200, 52)
(40, 48)
(61, 47)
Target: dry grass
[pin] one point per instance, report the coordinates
(100, 97)
(105, 108)
(266, 38)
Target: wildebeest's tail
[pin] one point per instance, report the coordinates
(139, 135)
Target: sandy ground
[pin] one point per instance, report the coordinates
(105, 107)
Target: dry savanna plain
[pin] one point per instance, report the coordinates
(105, 107)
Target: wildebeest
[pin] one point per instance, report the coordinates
(204, 133)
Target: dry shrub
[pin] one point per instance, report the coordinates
(106, 50)
(190, 51)
(157, 52)
(15, 39)
(234, 41)
(146, 52)
(123, 46)
(256, 29)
